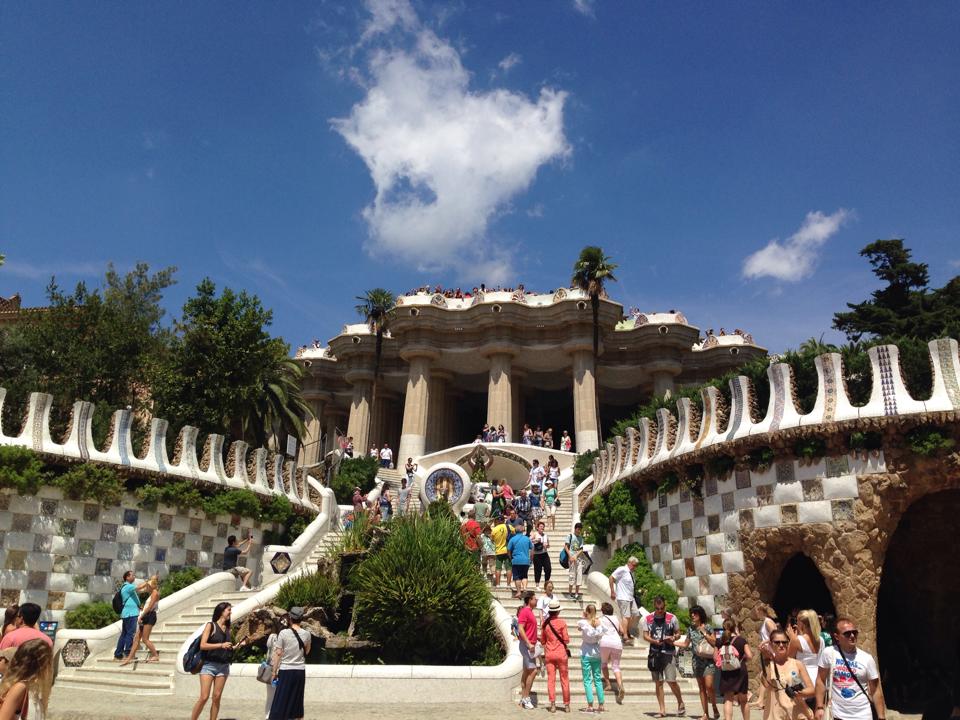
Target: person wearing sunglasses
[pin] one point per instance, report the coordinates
(786, 684)
(854, 678)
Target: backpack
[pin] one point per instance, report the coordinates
(118, 603)
(564, 555)
(727, 658)
(193, 657)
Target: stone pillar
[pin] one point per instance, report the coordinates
(662, 372)
(584, 402)
(437, 411)
(359, 424)
(311, 451)
(500, 394)
(334, 418)
(416, 407)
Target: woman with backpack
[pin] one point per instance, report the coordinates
(590, 633)
(217, 649)
(289, 668)
(555, 637)
(731, 658)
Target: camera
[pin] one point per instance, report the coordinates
(792, 690)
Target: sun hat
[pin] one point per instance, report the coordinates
(554, 605)
(296, 613)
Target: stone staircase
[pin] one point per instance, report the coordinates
(391, 479)
(102, 673)
(639, 688)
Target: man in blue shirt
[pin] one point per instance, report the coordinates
(129, 615)
(519, 548)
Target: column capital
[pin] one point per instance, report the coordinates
(578, 345)
(441, 374)
(493, 350)
(671, 367)
(419, 351)
(321, 395)
(358, 375)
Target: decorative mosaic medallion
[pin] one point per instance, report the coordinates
(75, 653)
(281, 562)
(443, 483)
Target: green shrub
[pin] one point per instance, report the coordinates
(760, 458)
(668, 483)
(810, 448)
(721, 466)
(354, 472)
(179, 580)
(440, 509)
(181, 494)
(245, 503)
(355, 538)
(22, 470)
(309, 590)
(583, 466)
(276, 510)
(623, 505)
(865, 440)
(421, 597)
(929, 441)
(647, 584)
(91, 616)
(91, 482)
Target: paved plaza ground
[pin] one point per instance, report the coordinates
(84, 705)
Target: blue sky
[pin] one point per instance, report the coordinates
(309, 151)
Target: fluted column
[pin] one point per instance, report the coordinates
(500, 394)
(437, 410)
(359, 424)
(334, 419)
(416, 406)
(311, 451)
(584, 402)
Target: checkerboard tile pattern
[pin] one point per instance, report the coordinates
(59, 553)
(694, 543)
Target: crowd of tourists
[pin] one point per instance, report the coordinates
(458, 293)
(536, 436)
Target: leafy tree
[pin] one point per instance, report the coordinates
(225, 374)
(905, 307)
(590, 272)
(358, 472)
(87, 344)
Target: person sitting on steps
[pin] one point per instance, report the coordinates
(231, 556)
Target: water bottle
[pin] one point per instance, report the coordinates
(275, 681)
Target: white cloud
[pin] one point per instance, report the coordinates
(44, 271)
(536, 211)
(510, 61)
(444, 159)
(584, 7)
(795, 258)
(955, 263)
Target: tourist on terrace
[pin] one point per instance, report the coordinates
(538, 437)
(386, 505)
(553, 471)
(555, 638)
(488, 552)
(786, 684)
(524, 509)
(806, 645)
(591, 632)
(348, 447)
(359, 501)
(404, 496)
(374, 453)
(853, 677)
(622, 591)
(10, 619)
(30, 674)
(702, 642)
(499, 535)
(409, 469)
(386, 456)
(231, 559)
(290, 668)
(507, 492)
(217, 649)
(541, 554)
(470, 531)
(501, 434)
(26, 627)
(536, 504)
(566, 442)
(611, 649)
(528, 644)
(146, 621)
(577, 560)
(550, 503)
(661, 629)
(548, 438)
(527, 435)
(732, 657)
(128, 615)
(536, 475)
(519, 548)
(498, 504)
(515, 524)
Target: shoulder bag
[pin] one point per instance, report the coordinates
(873, 709)
(557, 636)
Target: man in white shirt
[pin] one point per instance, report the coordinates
(386, 456)
(853, 674)
(537, 475)
(622, 590)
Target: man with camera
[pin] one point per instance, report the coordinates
(786, 684)
(855, 692)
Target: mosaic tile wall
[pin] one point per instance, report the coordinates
(60, 553)
(694, 543)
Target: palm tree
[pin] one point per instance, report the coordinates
(376, 309)
(279, 409)
(591, 270)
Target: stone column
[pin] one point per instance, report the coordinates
(359, 424)
(334, 418)
(437, 410)
(662, 372)
(584, 402)
(500, 394)
(416, 406)
(311, 451)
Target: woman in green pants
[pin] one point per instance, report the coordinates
(591, 632)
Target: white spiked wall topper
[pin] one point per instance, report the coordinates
(259, 471)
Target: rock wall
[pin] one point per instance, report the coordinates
(59, 553)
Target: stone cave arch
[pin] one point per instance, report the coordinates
(802, 586)
(918, 629)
